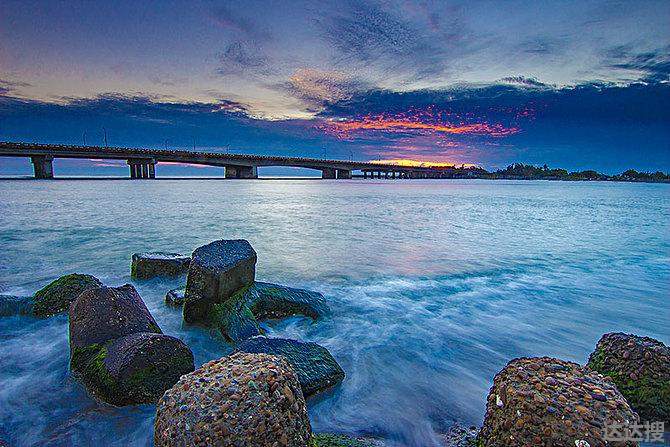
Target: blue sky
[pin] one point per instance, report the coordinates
(580, 84)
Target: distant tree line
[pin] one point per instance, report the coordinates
(520, 171)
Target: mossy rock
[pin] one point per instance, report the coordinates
(237, 318)
(57, 296)
(175, 297)
(16, 305)
(217, 270)
(104, 313)
(640, 368)
(332, 440)
(150, 265)
(135, 369)
(316, 368)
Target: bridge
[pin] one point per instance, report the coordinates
(142, 162)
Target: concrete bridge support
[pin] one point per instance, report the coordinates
(43, 166)
(343, 174)
(242, 172)
(142, 168)
(328, 173)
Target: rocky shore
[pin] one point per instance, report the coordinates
(257, 395)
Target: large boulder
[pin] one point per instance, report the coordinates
(316, 368)
(237, 318)
(118, 351)
(640, 368)
(549, 402)
(134, 369)
(251, 400)
(216, 272)
(106, 313)
(57, 296)
(16, 305)
(149, 265)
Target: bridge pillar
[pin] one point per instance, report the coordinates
(328, 173)
(393, 175)
(242, 172)
(142, 168)
(43, 166)
(343, 174)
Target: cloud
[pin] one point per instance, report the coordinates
(244, 57)
(7, 86)
(653, 65)
(318, 88)
(371, 34)
(523, 81)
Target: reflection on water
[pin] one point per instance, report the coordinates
(434, 286)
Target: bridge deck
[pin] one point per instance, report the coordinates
(11, 149)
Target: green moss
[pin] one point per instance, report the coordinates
(57, 296)
(331, 440)
(153, 327)
(88, 363)
(649, 398)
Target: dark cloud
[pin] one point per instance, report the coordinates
(654, 64)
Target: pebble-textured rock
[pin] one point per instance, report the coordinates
(216, 272)
(550, 402)
(150, 265)
(175, 297)
(640, 368)
(15, 305)
(237, 318)
(118, 351)
(57, 296)
(246, 400)
(316, 368)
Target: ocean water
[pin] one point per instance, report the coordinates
(434, 286)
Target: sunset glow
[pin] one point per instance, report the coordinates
(419, 163)
(417, 121)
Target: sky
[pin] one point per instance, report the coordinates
(574, 84)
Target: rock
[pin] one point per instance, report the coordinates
(250, 400)
(237, 318)
(459, 436)
(216, 272)
(149, 265)
(134, 369)
(175, 297)
(106, 313)
(118, 351)
(316, 368)
(57, 296)
(524, 409)
(640, 368)
(15, 305)
(333, 440)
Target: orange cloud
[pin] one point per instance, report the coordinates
(421, 122)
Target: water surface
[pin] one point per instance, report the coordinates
(434, 286)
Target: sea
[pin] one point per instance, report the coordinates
(433, 285)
